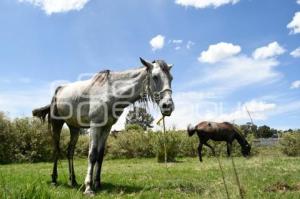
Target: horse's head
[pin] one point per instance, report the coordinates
(246, 149)
(159, 81)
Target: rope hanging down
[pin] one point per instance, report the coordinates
(164, 135)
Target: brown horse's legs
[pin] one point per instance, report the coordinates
(56, 130)
(70, 154)
(212, 149)
(200, 151)
(229, 148)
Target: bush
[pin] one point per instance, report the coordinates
(130, 144)
(168, 143)
(33, 142)
(290, 144)
(6, 140)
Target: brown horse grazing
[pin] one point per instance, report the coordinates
(218, 132)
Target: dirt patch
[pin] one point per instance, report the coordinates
(282, 187)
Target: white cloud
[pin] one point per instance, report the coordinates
(271, 50)
(190, 107)
(189, 44)
(57, 6)
(193, 107)
(294, 25)
(205, 3)
(157, 42)
(27, 99)
(295, 84)
(298, 1)
(177, 41)
(240, 71)
(230, 71)
(258, 111)
(295, 53)
(219, 52)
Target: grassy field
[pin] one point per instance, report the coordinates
(261, 177)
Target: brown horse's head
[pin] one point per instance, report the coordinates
(191, 130)
(246, 148)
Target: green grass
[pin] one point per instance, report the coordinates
(145, 178)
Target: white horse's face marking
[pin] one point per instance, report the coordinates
(161, 80)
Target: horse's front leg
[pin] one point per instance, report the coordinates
(101, 149)
(92, 158)
(99, 161)
(229, 148)
(212, 149)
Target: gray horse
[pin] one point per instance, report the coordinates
(96, 104)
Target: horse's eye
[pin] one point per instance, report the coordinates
(155, 78)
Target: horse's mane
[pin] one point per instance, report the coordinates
(164, 67)
(100, 78)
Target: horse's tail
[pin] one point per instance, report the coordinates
(191, 130)
(42, 112)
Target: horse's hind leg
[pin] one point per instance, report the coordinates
(56, 130)
(70, 154)
(200, 151)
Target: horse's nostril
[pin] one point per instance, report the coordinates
(164, 106)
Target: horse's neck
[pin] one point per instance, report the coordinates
(129, 84)
(241, 140)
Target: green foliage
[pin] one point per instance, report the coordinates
(23, 140)
(130, 144)
(6, 139)
(290, 144)
(134, 127)
(139, 116)
(265, 132)
(167, 144)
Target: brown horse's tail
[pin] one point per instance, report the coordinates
(191, 130)
(42, 112)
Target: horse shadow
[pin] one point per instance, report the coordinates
(117, 188)
(105, 187)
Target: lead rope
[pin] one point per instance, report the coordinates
(164, 144)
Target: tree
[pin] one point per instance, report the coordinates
(249, 128)
(139, 116)
(264, 132)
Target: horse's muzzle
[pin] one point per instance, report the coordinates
(167, 107)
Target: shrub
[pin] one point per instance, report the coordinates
(290, 144)
(33, 142)
(82, 146)
(6, 140)
(168, 143)
(130, 144)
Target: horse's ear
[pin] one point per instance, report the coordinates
(148, 65)
(170, 66)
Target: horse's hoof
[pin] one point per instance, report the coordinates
(97, 185)
(73, 184)
(54, 184)
(89, 193)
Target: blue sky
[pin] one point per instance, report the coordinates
(226, 56)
